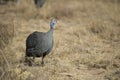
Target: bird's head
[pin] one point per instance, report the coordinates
(52, 23)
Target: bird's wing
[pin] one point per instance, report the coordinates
(32, 39)
(44, 43)
(38, 42)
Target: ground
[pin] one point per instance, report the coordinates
(86, 39)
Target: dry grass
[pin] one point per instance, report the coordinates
(105, 31)
(86, 39)
(6, 37)
(5, 33)
(27, 9)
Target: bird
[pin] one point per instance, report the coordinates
(39, 44)
(39, 3)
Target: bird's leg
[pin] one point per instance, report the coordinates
(26, 59)
(30, 61)
(33, 58)
(42, 62)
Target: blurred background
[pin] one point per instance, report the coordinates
(86, 39)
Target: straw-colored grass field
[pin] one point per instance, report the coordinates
(86, 40)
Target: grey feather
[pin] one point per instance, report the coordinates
(39, 44)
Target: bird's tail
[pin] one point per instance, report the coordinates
(30, 51)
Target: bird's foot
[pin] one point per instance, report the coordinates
(42, 63)
(29, 63)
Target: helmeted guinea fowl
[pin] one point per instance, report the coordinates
(39, 44)
(39, 3)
